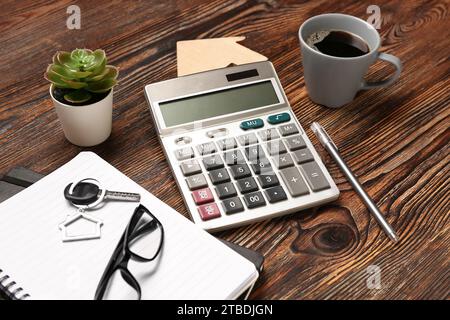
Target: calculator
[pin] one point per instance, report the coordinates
(235, 147)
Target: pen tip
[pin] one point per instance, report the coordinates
(393, 237)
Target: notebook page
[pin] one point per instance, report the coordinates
(193, 264)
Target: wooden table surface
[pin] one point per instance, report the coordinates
(395, 139)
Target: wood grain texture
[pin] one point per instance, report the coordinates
(395, 139)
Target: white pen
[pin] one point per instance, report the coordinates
(329, 145)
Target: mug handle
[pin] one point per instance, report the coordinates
(384, 83)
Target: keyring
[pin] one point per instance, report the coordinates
(96, 202)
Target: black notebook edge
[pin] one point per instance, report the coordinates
(20, 178)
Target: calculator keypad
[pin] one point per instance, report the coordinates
(295, 142)
(268, 180)
(190, 167)
(184, 153)
(294, 181)
(275, 194)
(213, 162)
(283, 161)
(232, 205)
(314, 176)
(261, 166)
(247, 185)
(206, 148)
(302, 156)
(253, 200)
(248, 139)
(196, 181)
(227, 144)
(226, 190)
(209, 211)
(269, 134)
(288, 129)
(255, 153)
(238, 171)
(202, 196)
(276, 147)
(233, 157)
(219, 176)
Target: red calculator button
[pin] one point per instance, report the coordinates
(202, 196)
(209, 211)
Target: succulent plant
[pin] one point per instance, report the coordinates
(81, 73)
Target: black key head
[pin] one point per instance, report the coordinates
(84, 193)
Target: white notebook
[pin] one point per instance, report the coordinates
(193, 264)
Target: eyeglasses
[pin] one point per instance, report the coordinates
(142, 242)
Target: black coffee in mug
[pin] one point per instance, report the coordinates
(338, 43)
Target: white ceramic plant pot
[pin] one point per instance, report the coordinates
(87, 125)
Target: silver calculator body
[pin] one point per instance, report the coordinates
(235, 147)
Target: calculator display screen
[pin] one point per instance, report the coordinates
(218, 103)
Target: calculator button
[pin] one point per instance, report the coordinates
(184, 153)
(268, 180)
(202, 196)
(232, 205)
(268, 134)
(283, 161)
(240, 171)
(226, 190)
(227, 144)
(209, 211)
(288, 129)
(279, 118)
(255, 199)
(254, 153)
(180, 141)
(261, 166)
(196, 182)
(233, 157)
(213, 162)
(294, 181)
(314, 176)
(276, 147)
(295, 142)
(206, 148)
(190, 167)
(303, 155)
(247, 139)
(247, 185)
(219, 176)
(217, 133)
(275, 194)
(252, 124)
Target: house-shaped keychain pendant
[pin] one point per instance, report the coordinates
(79, 215)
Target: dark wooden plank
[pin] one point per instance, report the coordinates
(395, 139)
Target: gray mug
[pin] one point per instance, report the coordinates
(334, 81)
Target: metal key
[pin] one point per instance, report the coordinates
(85, 193)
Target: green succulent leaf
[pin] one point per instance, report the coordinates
(110, 72)
(68, 73)
(96, 62)
(56, 80)
(101, 86)
(98, 69)
(77, 96)
(74, 84)
(63, 58)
